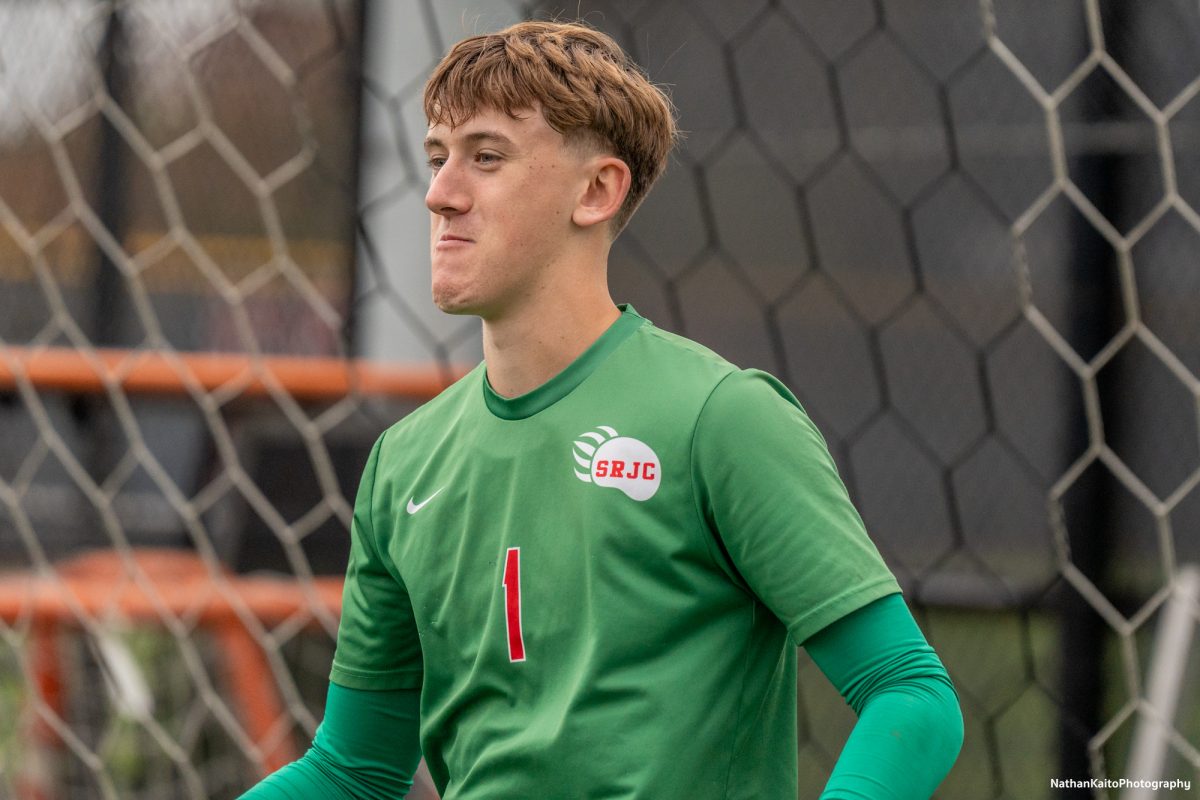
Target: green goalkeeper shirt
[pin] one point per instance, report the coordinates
(598, 586)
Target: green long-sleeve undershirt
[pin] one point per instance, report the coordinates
(367, 748)
(908, 733)
(909, 728)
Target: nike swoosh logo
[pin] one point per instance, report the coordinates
(415, 507)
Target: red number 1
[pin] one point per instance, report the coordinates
(512, 604)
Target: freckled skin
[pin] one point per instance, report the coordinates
(520, 234)
(512, 198)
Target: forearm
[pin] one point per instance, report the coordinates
(299, 780)
(902, 746)
(909, 729)
(367, 748)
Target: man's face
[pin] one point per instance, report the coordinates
(500, 197)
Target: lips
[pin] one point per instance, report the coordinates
(450, 241)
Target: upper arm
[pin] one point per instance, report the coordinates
(873, 648)
(378, 646)
(768, 487)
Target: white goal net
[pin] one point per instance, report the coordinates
(966, 234)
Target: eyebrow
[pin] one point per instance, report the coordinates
(472, 138)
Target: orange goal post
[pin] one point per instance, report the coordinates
(167, 372)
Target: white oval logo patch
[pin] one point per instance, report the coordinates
(620, 462)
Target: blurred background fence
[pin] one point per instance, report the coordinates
(966, 234)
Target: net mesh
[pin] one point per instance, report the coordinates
(963, 233)
(176, 179)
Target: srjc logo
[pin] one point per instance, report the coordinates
(606, 458)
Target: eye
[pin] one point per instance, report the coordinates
(435, 162)
(487, 159)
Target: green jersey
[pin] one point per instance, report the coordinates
(598, 586)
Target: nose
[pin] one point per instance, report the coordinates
(447, 194)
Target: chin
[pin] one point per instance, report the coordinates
(450, 306)
(450, 302)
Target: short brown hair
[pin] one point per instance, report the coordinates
(590, 91)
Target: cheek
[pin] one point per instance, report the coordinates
(542, 203)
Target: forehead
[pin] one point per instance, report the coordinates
(528, 127)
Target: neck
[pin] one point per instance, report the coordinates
(527, 347)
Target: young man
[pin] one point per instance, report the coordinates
(582, 571)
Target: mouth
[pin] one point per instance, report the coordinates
(449, 241)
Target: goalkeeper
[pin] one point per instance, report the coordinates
(582, 570)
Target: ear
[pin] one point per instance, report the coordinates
(608, 184)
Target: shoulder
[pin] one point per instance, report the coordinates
(438, 414)
(674, 360)
(672, 346)
(725, 385)
(673, 372)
